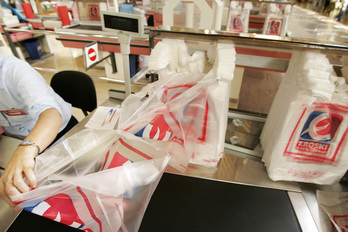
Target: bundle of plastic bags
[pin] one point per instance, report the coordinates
(238, 19)
(277, 19)
(96, 181)
(185, 111)
(305, 135)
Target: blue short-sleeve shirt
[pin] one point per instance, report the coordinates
(24, 95)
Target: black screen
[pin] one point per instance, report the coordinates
(121, 23)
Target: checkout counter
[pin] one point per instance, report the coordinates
(237, 195)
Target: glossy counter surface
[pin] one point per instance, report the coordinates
(308, 24)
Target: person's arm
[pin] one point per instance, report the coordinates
(22, 161)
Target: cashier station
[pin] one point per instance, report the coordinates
(201, 199)
(237, 195)
(182, 203)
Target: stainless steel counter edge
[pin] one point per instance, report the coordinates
(77, 33)
(249, 39)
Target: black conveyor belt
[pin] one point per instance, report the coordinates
(182, 203)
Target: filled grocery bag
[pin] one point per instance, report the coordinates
(305, 135)
(185, 111)
(96, 181)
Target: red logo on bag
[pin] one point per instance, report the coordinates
(157, 129)
(341, 221)
(58, 208)
(237, 24)
(114, 160)
(318, 132)
(171, 93)
(318, 141)
(192, 123)
(274, 26)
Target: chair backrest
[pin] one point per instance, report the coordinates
(77, 88)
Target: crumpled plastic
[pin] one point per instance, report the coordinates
(185, 111)
(96, 181)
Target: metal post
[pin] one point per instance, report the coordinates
(124, 40)
(126, 74)
(113, 62)
(10, 42)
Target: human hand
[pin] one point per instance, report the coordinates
(12, 181)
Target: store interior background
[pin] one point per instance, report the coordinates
(72, 59)
(326, 8)
(63, 58)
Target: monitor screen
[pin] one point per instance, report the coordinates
(121, 23)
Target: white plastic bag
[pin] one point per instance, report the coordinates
(185, 111)
(277, 20)
(335, 205)
(238, 19)
(106, 187)
(305, 135)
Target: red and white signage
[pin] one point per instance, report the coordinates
(91, 54)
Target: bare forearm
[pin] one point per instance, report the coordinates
(22, 161)
(46, 128)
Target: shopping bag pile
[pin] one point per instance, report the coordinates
(305, 135)
(102, 180)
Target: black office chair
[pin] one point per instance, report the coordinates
(77, 88)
